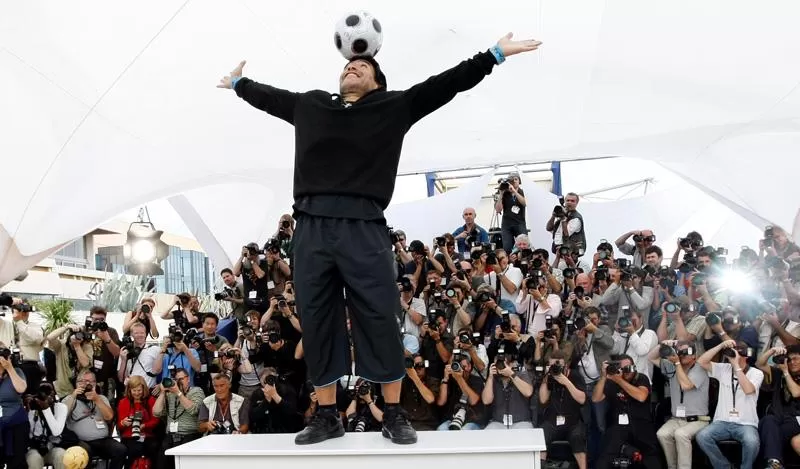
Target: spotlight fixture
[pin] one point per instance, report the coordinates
(143, 249)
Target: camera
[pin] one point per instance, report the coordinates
(769, 234)
(623, 264)
(505, 323)
(559, 212)
(175, 333)
(491, 258)
(729, 352)
(686, 351)
(456, 363)
(222, 428)
(432, 322)
(637, 238)
(271, 380)
(79, 335)
(564, 250)
(273, 337)
(440, 240)
(225, 293)
(146, 309)
(128, 344)
(779, 359)
(569, 272)
(690, 243)
(136, 425)
(625, 275)
(460, 415)
(579, 323)
(86, 389)
(483, 297)
(13, 355)
(363, 388)
(556, 369)
(531, 283)
(689, 263)
(393, 236)
(500, 359)
(272, 245)
(167, 383)
(406, 285)
(672, 307)
(503, 184)
(698, 279)
(230, 353)
(409, 362)
(91, 325)
(246, 331)
(450, 293)
(712, 319)
(614, 368)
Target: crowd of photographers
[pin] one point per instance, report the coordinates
(620, 360)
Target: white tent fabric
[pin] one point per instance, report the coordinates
(106, 107)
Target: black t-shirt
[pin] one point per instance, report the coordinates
(782, 401)
(513, 210)
(288, 332)
(428, 351)
(253, 283)
(621, 403)
(411, 267)
(561, 402)
(476, 413)
(104, 364)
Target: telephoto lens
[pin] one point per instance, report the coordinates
(556, 369)
(167, 383)
(665, 351)
(672, 308)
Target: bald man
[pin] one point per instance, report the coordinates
(642, 239)
(469, 231)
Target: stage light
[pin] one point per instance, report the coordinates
(143, 249)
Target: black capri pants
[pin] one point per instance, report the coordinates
(575, 434)
(334, 257)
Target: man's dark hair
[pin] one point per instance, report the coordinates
(225, 271)
(542, 252)
(577, 197)
(98, 310)
(212, 316)
(273, 325)
(182, 370)
(592, 310)
(654, 249)
(557, 355)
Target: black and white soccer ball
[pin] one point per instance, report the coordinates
(358, 34)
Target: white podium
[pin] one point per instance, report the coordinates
(479, 448)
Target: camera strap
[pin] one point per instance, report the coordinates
(735, 383)
(175, 414)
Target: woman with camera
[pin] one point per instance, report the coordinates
(136, 420)
(535, 302)
(144, 315)
(14, 426)
(551, 340)
(46, 418)
(363, 414)
(73, 352)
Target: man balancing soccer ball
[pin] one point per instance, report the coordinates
(347, 150)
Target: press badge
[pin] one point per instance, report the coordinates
(98, 364)
(100, 424)
(623, 419)
(515, 209)
(270, 284)
(173, 426)
(203, 368)
(680, 411)
(560, 420)
(733, 415)
(508, 420)
(252, 294)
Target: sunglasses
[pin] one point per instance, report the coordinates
(419, 366)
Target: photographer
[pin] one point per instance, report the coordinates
(74, 354)
(136, 421)
(781, 424)
(540, 261)
(775, 327)
(233, 294)
(253, 270)
(510, 201)
(143, 315)
(105, 346)
(504, 278)
(223, 412)
(458, 308)
(363, 414)
(285, 236)
(401, 255)
(178, 404)
(688, 388)
(535, 302)
(552, 340)
(628, 395)
(461, 402)
(234, 365)
(642, 239)
(680, 321)
(422, 264)
(87, 424)
(176, 354)
(137, 358)
(580, 296)
(13, 417)
(274, 406)
(507, 336)
(633, 338)
(29, 338)
(282, 311)
(418, 394)
(186, 313)
(726, 326)
(279, 353)
(412, 310)
(447, 254)
(436, 344)
(471, 344)
(776, 243)
(512, 387)
(470, 233)
(627, 291)
(735, 417)
(566, 225)
(490, 311)
(278, 271)
(250, 341)
(561, 397)
(46, 418)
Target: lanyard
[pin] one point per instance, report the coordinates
(171, 361)
(223, 413)
(687, 374)
(175, 414)
(734, 386)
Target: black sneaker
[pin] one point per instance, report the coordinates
(323, 426)
(397, 428)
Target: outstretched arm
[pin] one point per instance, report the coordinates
(440, 89)
(274, 101)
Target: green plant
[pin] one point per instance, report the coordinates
(121, 292)
(54, 313)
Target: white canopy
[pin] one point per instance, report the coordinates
(106, 105)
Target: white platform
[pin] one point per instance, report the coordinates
(479, 448)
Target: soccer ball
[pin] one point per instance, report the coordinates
(358, 34)
(75, 458)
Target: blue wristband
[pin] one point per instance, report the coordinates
(498, 54)
(234, 81)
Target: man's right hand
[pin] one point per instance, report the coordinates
(227, 81)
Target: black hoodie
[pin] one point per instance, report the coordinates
(354, 150)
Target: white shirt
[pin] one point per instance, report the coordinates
(573, 226)
(537, 320)
(252, 378)
(765, 334)
(411, 328)
(588, 366)
(745, 404)
(512, 273)
(638, 347)
(142, 365)
(55, 417)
